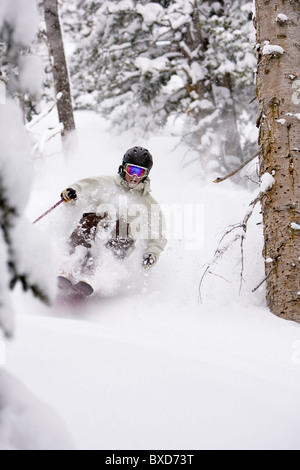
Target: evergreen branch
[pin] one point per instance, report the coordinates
(8, 215)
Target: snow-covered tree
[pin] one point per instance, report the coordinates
(23, 256)
(142, 63)
(22, 75)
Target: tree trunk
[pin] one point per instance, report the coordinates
(278, 24)
(59, 66)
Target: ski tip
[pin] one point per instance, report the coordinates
(83, 288)
(64, 283)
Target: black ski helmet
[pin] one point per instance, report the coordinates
(137, 156)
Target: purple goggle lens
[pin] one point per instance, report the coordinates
(139, 171)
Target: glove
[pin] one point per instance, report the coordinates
(149, 260)
(69, 194)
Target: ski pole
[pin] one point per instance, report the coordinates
(48, 212)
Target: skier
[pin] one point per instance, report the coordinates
(118, 210)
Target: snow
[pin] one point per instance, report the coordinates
(119, 387)
(295, 226)
(267, 182)
(151, 368)
(22, 18)
(6, 314)
(15, 164)
(147, 65)
(27, 423)
(269, 49)
(31, 75)
(282, 18)
(151, 13)
(2, 353)
(296, 115)
(175, 83)
(197, 72)
(48, 135)
(33, 256)
(281, 121)
(28, 250)
(123, 5)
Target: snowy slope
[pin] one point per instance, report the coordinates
(120, 389)
(153, 368)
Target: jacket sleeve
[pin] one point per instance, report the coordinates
(86, 186)
(88, 191)
(157, 240)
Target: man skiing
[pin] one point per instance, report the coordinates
(117, 212)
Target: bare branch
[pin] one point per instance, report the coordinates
(41, 116)
(220, 180)
(264, 279)
(223, 247)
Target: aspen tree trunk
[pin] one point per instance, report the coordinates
(278, 89)
(59, 66)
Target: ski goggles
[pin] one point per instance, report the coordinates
(139, 171)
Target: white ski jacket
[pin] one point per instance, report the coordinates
(112, 194)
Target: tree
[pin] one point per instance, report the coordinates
(141, 63)
(59, 66)
(23, 257)
(277, 25)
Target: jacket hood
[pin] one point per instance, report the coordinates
(143, 187)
